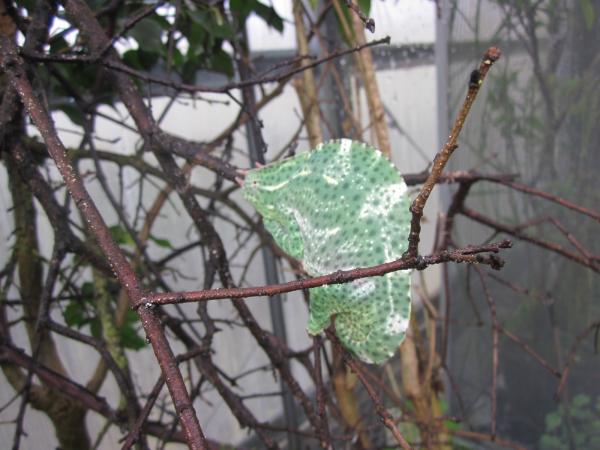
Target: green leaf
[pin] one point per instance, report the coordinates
(72, 111)
(365, 6)
(96, 327)
(148, 34)
(550, 443)
(220, 61)
(132, 59)
(88, 291)
(161, 242)
(213, 23)
(121, 236)
(243, 8)
(75, 315)
(147, 59)
(140, 59)
(129, 335)
(58, 45)
(452, 425)
(196, 36)
(580, 400)
(443, 406)
(589, 13)
(410, 431)
(131, 339)
(269, 15)
(553, 421)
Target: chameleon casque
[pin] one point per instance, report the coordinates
(341, 206)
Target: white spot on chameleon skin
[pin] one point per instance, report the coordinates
(363, 287)
(330, 180)
(365, 358)
(274, 187)
(396, 324)
(345, 145)
(388, 196)
(332, 231)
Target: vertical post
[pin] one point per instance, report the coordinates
(441, 63)
(256, 147)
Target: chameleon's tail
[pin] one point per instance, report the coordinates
(376, 344)
(371, 317)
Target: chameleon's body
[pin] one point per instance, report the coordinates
(339, 207)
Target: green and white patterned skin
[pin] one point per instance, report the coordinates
(341, 206)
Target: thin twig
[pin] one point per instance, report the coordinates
(440, 160)
(495, 328)
(118, 66)
(368, 22)
(383, 413)
(470, 254)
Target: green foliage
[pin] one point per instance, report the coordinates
(121, 236)
(365, 7)
(196, 37)
(589, 13)
(243, 8)
(130, 338)
(82, 312)
(580, 420)
(165, 243)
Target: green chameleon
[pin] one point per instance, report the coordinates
(341, 206)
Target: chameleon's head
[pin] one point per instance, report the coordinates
(261, 189)
(250, 187)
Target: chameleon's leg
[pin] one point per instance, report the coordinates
(287, 235)
(374, 334)
(323, 304)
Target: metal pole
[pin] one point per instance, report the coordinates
(256, 147)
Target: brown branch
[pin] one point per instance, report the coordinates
(514, 231)
(80, 13)
(383, 413)
(470, 254)
(376, 109)
(323, 429)
(57, 381)
(440, 160)
(487, 437)
(527, 348)
(135, 431)
(368, 22)
(13, 66)
(129, 24)
(594, 326)
(117, 66)
(550, 197)
(495, 327)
